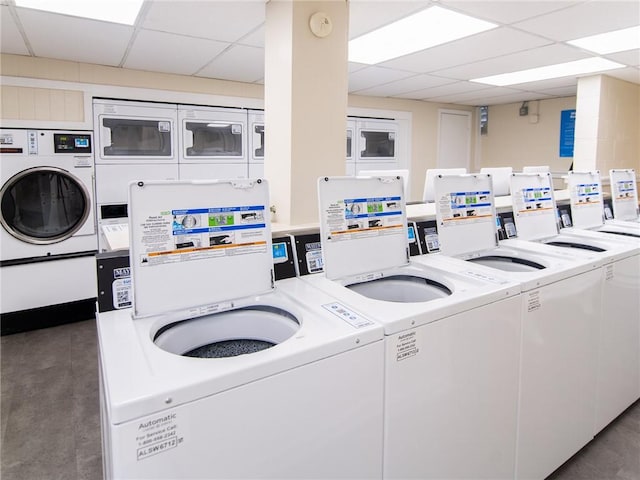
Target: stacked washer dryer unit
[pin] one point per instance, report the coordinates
(213, 143)
(560, 311)
(372, 144)
(616, 352)
(286, 382)
(451, 339)
(48, 233)
(134, 140)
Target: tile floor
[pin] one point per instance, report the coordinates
(51, 423)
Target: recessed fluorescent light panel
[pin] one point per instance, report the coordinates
(579, 67)
(610, 42)
(427, 28)
(116, 11)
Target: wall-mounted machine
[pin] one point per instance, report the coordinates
(134, 140)
(48, 220)
(372, 144)
(217, 371)
(213, 142)
(451, 339)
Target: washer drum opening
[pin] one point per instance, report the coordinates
(401, 289)
(228, 334)
(508, 264)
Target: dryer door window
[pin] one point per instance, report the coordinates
(44, 205)
(258, 140)
(214, 139)
(377, 144)
(137, 138)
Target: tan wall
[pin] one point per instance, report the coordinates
(514, 141)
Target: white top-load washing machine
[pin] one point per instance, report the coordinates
(451, 339)
(561, 305)
(213, 143)
(133, 140)
(618, 338)
(48, 220)
(218, 371)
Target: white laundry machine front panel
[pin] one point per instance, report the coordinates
(211, 171)
(449, 384)
(295, 424)
(112, 181)
(557, 372)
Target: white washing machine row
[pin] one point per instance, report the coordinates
(48, 222)
(560, 312)
(618, 331)
(217, 371)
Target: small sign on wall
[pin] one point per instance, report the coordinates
(567, 132)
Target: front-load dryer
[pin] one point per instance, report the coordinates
(617, 354)
(217, 371)
(561, 305)
(451, 339)
(48, 221)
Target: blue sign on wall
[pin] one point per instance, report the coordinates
(567, 132)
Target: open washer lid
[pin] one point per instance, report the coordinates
(363, 226)
(585, 195)
(624, 194)
(534, 206)
(465, 213)
(197, 244)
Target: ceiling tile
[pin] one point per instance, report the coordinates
(584, 19)
(166, 52)
(225, 21)
(629, 74)
(10, 37)
(536, 57)
(505, 12)
(465, 97)
(417, 82)
(255, 38)
(71, 38)
(373, 76)
(630, 57)
(442, 90)
(490, 44)
(240, 63)
(508, 98)
(367, 15)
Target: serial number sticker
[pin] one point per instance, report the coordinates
(407, 346)
(533, 301)
(157, 435)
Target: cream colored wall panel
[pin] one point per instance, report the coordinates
(57, 104)
(41, 104)
(9, 105)
(26, 103)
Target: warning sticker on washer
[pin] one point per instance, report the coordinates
(463, 208)
(533, 200)
(157, 435)
(585, 194)
(356, 218)
(407, 346)
(533, 301)
(202, 233)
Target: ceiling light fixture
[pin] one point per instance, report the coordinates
(116, 11)
(427, 28)
(568, 69)
(610, 42)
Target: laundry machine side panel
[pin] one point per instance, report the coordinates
(41, 284)
(320, 420)
(618, 384)
(557, 372)
(451, 393)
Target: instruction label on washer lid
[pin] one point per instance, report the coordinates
(585, 194)
(534, 200)
(157, 435)
(356, 218)
(203, 233)
(348, 315)
(464, 208)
